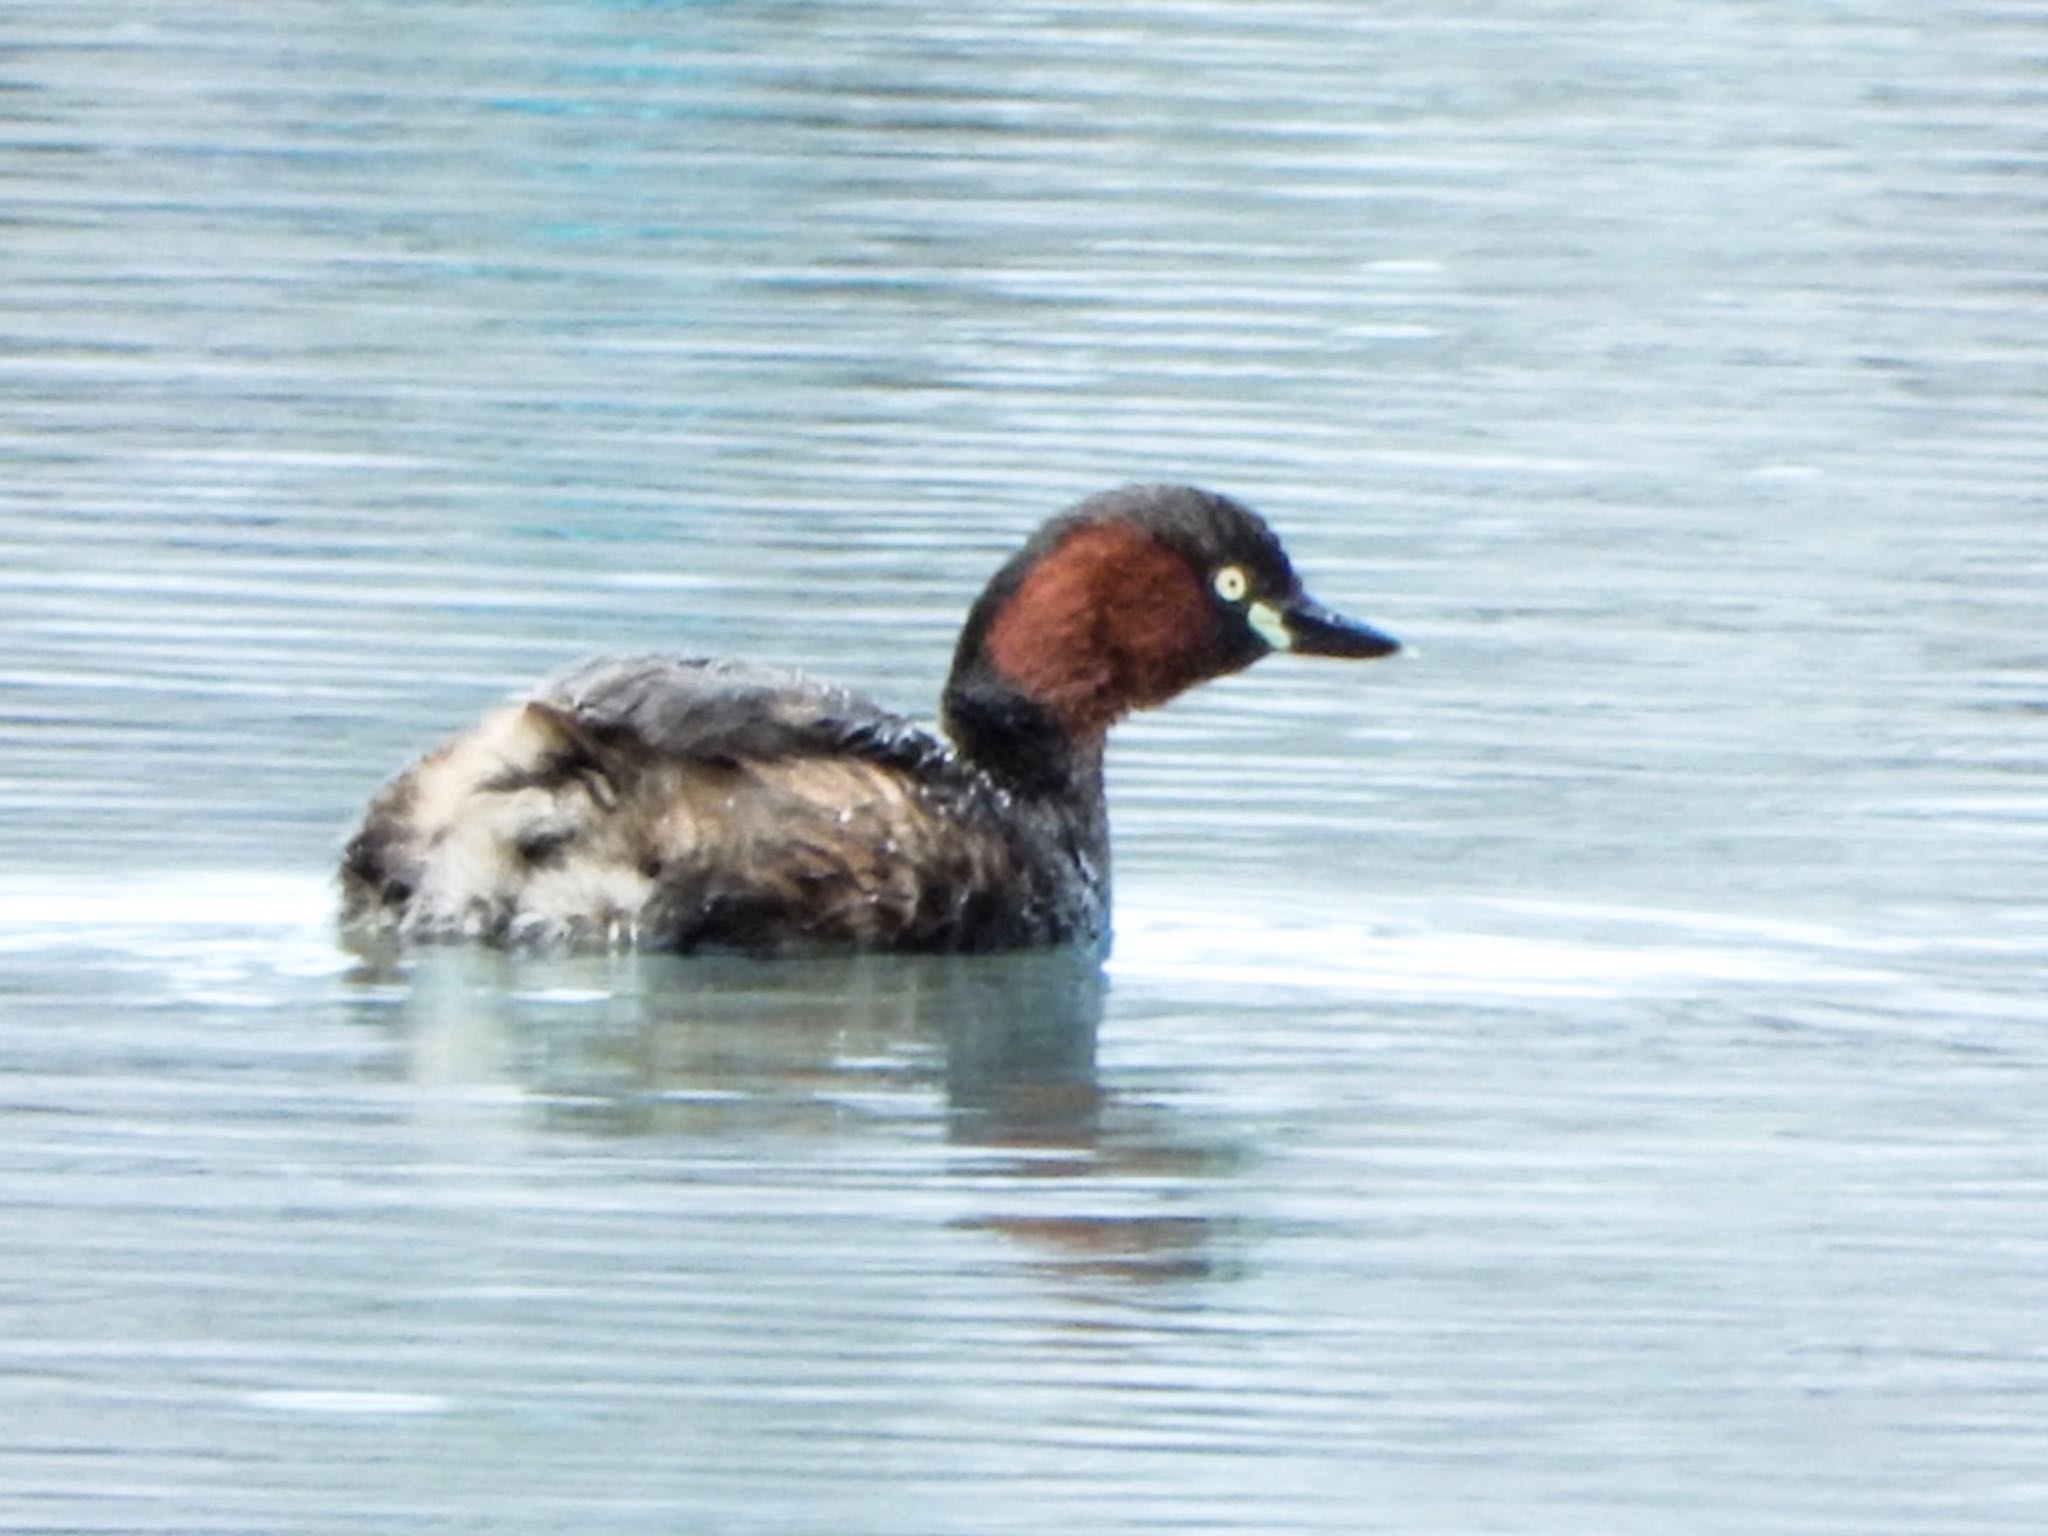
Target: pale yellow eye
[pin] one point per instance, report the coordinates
(1232, 584)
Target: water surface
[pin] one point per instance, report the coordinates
(1584, 1075)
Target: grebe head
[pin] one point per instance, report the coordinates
(1127, 599)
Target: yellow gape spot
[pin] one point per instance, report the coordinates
(1265, 620)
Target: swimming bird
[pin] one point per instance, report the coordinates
(685, 804)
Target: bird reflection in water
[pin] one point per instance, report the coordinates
(998, 1049)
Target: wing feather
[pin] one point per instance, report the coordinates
(674, 803)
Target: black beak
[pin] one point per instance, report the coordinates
(1313, 630)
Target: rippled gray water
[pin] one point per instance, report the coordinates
(1586, 1076)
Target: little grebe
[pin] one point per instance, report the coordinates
(681, 804)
